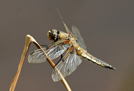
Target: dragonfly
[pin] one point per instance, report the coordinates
(69, 43)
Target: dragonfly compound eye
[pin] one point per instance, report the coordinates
(53, 35)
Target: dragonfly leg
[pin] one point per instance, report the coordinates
(66, 55)
(59, 60)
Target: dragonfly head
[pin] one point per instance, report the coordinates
(53, 35)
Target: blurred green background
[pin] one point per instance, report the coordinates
(107, 27)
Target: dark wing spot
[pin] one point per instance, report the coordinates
(31, 52)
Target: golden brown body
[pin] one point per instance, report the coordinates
(74, 47)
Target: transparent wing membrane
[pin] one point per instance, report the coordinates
(78, 37)
(66, 66)
(38, 56)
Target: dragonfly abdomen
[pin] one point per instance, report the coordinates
(96, 60)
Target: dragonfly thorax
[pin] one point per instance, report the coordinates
(63, 35)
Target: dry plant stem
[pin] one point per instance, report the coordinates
(28, 41)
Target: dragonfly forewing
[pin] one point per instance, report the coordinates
(78, 37)
(38, 56)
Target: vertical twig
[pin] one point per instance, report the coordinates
(28, 41)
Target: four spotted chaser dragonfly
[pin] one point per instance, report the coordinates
(72, 43)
